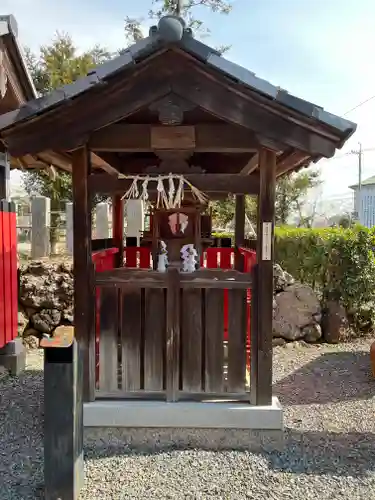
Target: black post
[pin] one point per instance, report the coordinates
(63, 422)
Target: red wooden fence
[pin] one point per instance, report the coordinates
(8, 273)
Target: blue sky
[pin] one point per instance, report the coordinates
(320, 50)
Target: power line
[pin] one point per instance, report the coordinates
(359, 105)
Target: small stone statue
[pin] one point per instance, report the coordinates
(189, 261)
(162, 258)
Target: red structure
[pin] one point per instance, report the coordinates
(8, 273)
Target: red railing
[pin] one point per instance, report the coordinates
(213, 258)
(8, 273)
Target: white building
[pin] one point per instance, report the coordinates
(364, 202)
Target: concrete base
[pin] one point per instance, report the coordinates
(156, 414)
(13, 357)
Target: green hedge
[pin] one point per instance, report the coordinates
(338, 263)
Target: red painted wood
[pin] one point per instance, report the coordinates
(2, 291)
(7, 275)
(130, 256)
(212, 256)
(226, 258)
(103, 261)
(144, 257)
(13, 268)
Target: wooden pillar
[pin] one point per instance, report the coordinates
(173, 334)
(84, 298)
(63, 422)
(239, 230)
(261, 352)
(118, 227)
(4, 175)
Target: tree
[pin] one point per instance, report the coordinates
(57, 64)
(223, 211)
(291, 191)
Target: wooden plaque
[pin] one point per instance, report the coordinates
(173, 137)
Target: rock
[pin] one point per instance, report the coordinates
(30, 332)
(312, 333)
(30, 311)
(3, 372)
(46, 320)
(68, 315)
(46, 285)
(281, 278)
(335, 323)
(23, 321)
(31, 341)
(317, 317)
(296, 307)
(278, 342)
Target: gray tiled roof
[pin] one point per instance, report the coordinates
(157, 39)
(370, 181)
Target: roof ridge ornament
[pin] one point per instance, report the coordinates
(172, 27)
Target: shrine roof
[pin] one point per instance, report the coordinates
(171, 31)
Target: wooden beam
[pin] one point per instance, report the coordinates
(235, 107)
(59, 160)
(202, 138)
(118, 227)
(239, 229)
(225, 183)
(261, 377)
(84, 297)
(291, 161)
(251, 165)
(173, 334)
(99, 162)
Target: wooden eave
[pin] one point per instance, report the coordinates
(172, 71)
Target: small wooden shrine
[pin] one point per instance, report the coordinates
(172, 105)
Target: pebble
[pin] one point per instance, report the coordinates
(329, 448)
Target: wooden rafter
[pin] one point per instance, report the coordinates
(98, 162)
(251, 165)
(290, 161)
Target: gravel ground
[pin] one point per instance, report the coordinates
(328, 452)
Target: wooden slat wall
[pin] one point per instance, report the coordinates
(192, 330)
(108, 341)
(131, 338)
(134, 333)
(236, 340)
(154, 348)
(214, 349)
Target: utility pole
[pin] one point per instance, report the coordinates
(359, 154)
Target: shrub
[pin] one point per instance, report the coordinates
(339, 264)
